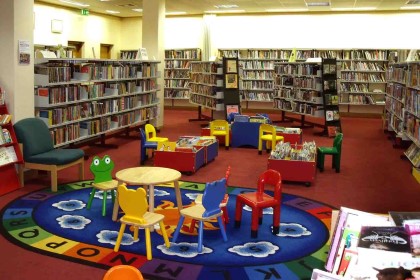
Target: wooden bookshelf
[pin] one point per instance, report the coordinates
(206, 84)
(177, 73)
(10, 154)
(83, 99)
(362, 78)
(298, 89)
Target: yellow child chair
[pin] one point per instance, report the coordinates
(268, 133)
(134, 204)
(151, 134)
(220, 128)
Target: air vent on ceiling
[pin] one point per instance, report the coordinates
(129, 5)
(317, 4)
(413, 2)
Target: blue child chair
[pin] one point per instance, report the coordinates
(145, 146)
(208, 210)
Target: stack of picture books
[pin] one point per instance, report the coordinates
(364, 245)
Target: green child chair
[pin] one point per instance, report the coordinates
(334, 151)
(102, 170)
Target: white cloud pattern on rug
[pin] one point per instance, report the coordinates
(183, 250)
(260, 249)
(73, 221)
(69, 205)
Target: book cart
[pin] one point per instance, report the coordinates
(295, 162)
(10, 153)
(188, 154)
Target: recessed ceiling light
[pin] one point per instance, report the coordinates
(224, 11)
(137, 10)
(226, 6)
(318, 4)
(410, 8)
(286, 10)
(112, 12)
(75, 3)
(175, 13)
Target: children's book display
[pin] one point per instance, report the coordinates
(295, 162)
(187, 154)
(10, 153)
(369, 246)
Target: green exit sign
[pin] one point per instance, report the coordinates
(85, 12)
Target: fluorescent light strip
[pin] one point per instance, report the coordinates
(75, 3)
(287, 10)
(318, 4)
(224, 12)
(137, 10)
(175, 13)
(112, 12)
(410, 8)
(226, 6)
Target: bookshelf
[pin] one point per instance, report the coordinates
(10, 153)
(396, 77)
(330, 97)
(177, 73)
(83, 99)
(256, 72)
(206, 84)
(362, 78)
(59, 51)
(128, 54)
(298, 89)
(403, 110)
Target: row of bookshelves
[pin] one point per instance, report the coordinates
(95, 90)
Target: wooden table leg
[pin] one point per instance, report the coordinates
(116, 204)
(178, 195)
(151, 198)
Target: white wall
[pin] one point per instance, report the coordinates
(185, 32)
(91, 29)
(331, 31)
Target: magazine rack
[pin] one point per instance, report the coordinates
(10, 179)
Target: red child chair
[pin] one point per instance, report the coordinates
(259, 200)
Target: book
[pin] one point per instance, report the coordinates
(318, 274)
(398, 217)
(338, 240)
(387, 238)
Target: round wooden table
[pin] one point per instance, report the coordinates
(148, 177)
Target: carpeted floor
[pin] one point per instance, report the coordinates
(59, 225)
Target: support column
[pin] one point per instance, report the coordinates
(17, 23)
(153, 40)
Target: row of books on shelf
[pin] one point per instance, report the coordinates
(365, 245)
(7, 155)
(413, 154)
(5, 136)
(288, 151)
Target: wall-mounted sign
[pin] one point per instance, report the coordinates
(84, 12)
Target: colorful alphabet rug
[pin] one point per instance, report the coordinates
(60, 225)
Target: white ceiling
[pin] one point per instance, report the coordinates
(198, 7)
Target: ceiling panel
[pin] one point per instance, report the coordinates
(250, 6)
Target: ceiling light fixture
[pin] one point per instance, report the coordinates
(75, 3)
(137, 10)
(112, 12)
(317, 4)
(226, 6)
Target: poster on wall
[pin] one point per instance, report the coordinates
(24, 52)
